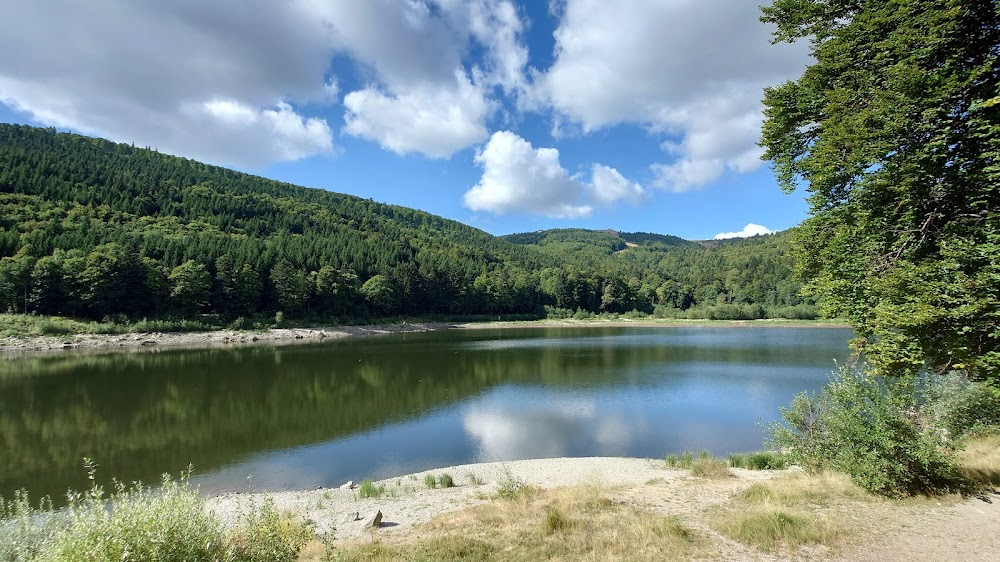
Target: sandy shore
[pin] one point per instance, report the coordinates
(285, 336)
(910, 531)
(408, 501)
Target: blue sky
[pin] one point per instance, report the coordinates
(635, 115)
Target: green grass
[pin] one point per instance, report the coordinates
(770, 529)
(370, 490)
(446, 481)
(474, 479)
(760, 460)
(430, 481)
(170, 522)
(34, 325)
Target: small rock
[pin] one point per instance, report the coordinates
(352, 517)
(374, 520)
(348, 485)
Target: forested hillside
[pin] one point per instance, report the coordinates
(90, 228)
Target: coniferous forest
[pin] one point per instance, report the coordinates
(94, 229)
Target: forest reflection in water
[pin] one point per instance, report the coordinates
(316, 415)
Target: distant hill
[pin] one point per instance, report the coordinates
(92, 228)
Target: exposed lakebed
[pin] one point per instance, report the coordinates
(296, 417)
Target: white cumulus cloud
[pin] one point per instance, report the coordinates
(748, 231)
(153, 73)
(676, 67)
(431, 119)
(423, 96)
(519, 178)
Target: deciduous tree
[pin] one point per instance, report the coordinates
(895, 130)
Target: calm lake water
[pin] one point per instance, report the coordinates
(317, 415)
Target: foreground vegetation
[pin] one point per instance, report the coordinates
(781, 514)
(138, 524)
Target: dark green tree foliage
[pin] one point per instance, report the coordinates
(190, 287)
(92, 228)
(895, 128)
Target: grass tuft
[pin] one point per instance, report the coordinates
(771, 529)
(430, 481)
(708, 467)
(446, 481)
(370, 490)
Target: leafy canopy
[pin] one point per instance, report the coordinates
(895, 128)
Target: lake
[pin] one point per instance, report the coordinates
(302, 416)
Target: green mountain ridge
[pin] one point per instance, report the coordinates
(92, 228)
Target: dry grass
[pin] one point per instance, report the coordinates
(790, 511)
(568, 524)
(711, 468)
(979, 461)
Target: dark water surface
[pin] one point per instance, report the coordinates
(317, 415)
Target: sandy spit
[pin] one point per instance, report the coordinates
(286, 336)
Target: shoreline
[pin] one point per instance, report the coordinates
(408, 502)
(15, 345)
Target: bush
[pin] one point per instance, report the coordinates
(171, 523)
(263, 534)
(796, 312)
(867, 428)
(961, 407)
(139, 524)
(509, 487)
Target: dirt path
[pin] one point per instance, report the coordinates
(967, 531)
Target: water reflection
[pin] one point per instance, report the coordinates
(317, 415)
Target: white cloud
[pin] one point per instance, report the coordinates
(153, 73)
(748, 231)
(432, 120)
(422, 96)
(610, 186)
(518, 178)
(675, 67)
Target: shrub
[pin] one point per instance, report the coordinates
(263, 534)
(509, 487)
(866, 427)
(171, 523)
(961, 407)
